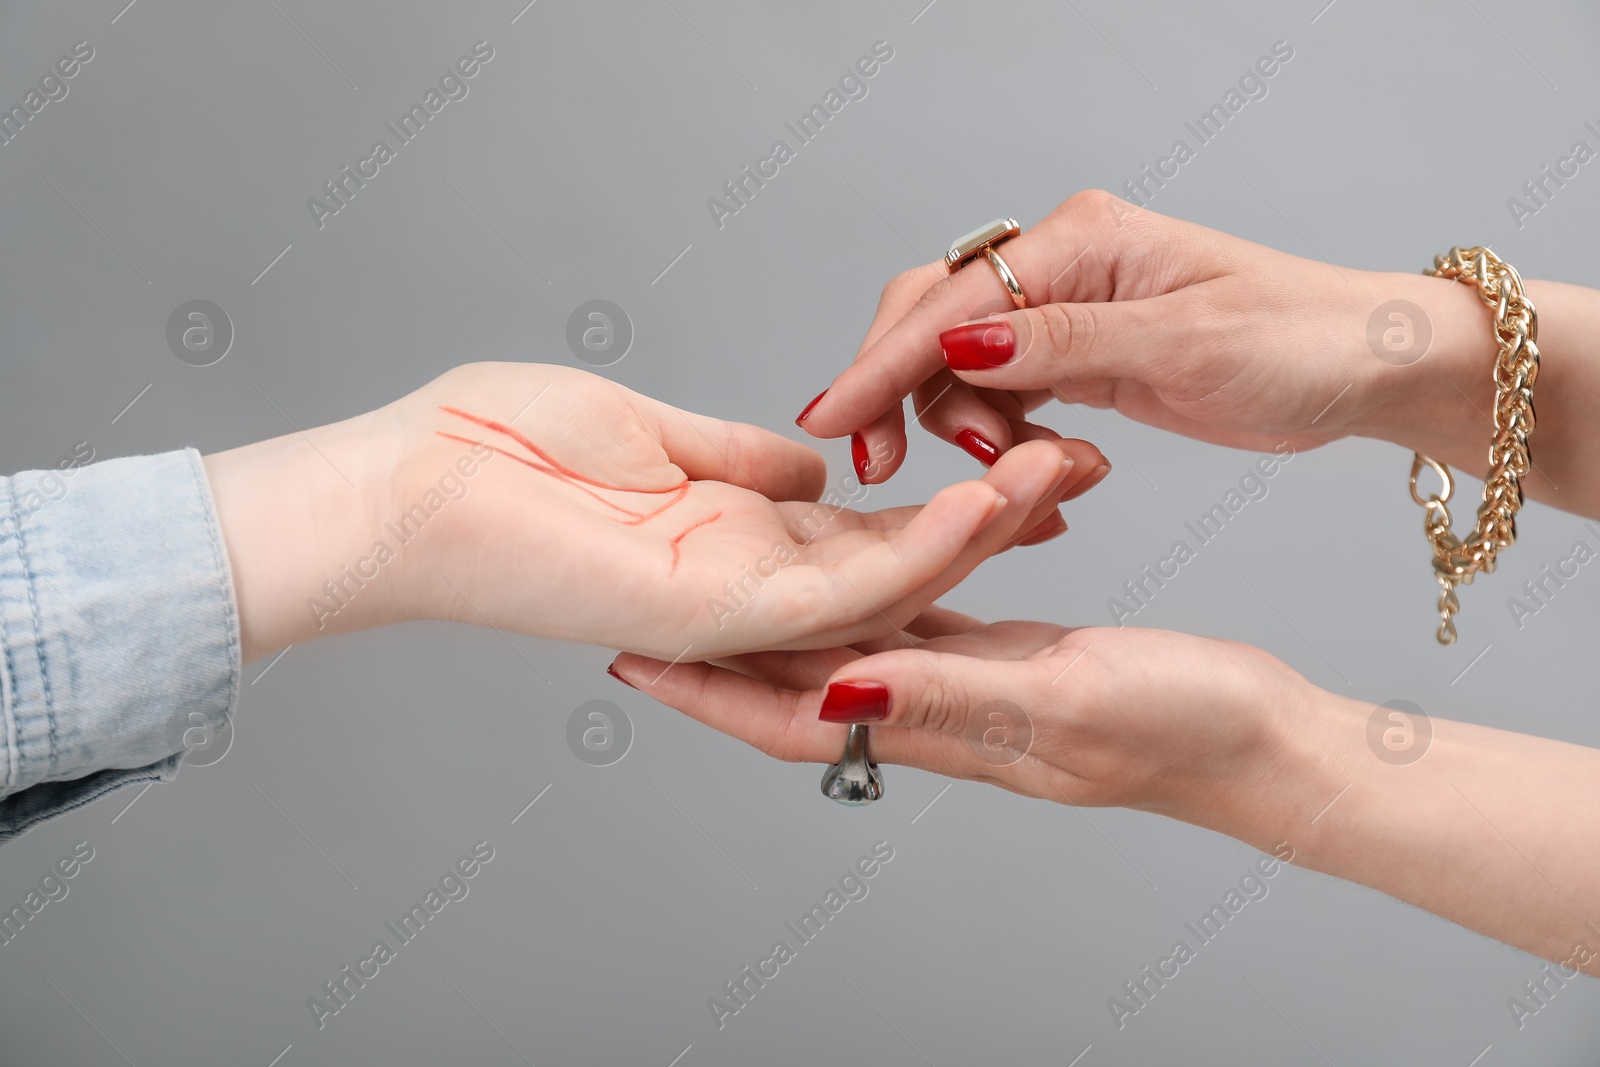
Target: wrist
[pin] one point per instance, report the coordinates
(1442, 404)
(1427, 381)
(298, 515)
(1297, 766)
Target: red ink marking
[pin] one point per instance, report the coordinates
(695, 526)
(681, 491)
(571, 477)
(567, 472)
(679, 538)
(546, 470)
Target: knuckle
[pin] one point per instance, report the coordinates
(1065, 330)
(898, 285)
(1103, 214)
(942, 707)
(941, 292)
(1088, 201)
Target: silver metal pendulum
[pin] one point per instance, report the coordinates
(855, 779)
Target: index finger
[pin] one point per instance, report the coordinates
(900, 356)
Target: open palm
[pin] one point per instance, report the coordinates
(595, 514)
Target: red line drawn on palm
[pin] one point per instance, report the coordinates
(549, 465)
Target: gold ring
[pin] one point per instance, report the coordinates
(982, 241)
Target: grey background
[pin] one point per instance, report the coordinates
(628, 894)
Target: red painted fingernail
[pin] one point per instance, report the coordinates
(814, 402)
(978, 447)
(979, 345)
(858, 453)
(855, 702)
(612, 670)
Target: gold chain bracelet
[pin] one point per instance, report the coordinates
(1516, 327)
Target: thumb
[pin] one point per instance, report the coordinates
(711, 449)
(1042, 347)
(981, 700)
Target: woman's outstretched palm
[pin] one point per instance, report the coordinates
(595, 514)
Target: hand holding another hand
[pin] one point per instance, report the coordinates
(1172, 324)
(1185, 726)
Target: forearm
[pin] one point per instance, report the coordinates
(1490, 829)
(1442, 405)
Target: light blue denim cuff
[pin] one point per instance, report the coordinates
(118, 629)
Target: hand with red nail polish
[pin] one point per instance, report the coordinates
(1098, 716)
(1205, 335)
(549, 501)
(1209, 732)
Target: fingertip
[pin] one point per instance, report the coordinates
(1087, 455)
(1051, 528)
(954, 516)
(1037, 453)
(1092, 479)
(991, 512)
(878, 448)
(775, 466)
(805, 413)
(860, 459)
(634, 670)
(612, 670)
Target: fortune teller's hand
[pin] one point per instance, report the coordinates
(1210, 336)
(549, 501)
(1146, 719)
(1210, 732)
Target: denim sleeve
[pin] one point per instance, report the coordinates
(118, 629)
